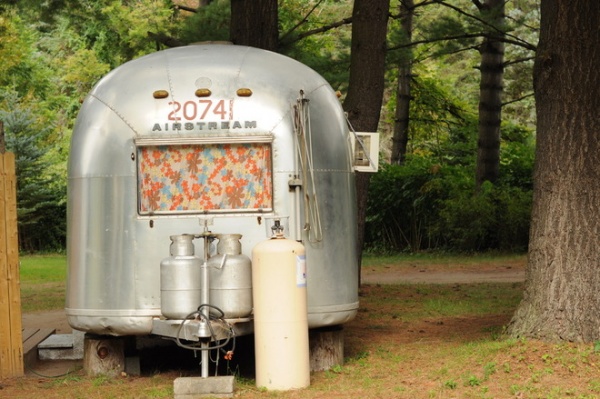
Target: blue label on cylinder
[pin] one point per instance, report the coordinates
(301, 271)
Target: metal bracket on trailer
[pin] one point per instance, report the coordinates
(194, 330)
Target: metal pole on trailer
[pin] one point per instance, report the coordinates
(205, 300)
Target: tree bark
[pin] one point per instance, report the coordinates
(490, 92)
(562, 295)
(255, 23)
(402, 117)
(366, 84)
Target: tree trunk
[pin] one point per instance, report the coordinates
(490, 93)
(402, 117)
(366, 84)
(562, 295)
(255, 23)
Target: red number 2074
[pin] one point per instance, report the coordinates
(201, 109)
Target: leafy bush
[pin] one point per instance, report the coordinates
(404, 202)
(494, 217)
(425, 205)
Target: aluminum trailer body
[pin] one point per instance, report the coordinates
(208, 136)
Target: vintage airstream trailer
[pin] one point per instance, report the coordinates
(207, 140)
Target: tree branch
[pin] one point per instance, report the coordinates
(302, 21)
(322, 29)
(519, 43)
(518, 60)
(517, 99)
(184, 7)
(530, 27)
(414, 7)
(164, 39)
(437, 39)
(421, 59)
(513, 39)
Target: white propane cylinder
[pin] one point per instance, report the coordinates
(280, 314)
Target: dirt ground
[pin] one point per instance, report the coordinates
(512, 271)
(389, 355)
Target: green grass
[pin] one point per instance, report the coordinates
(473, 299)
(43, 282)
(414, 301)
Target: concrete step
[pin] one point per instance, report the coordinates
(62, 347)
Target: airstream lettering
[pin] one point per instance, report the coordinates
(225, 125)
(151, 165)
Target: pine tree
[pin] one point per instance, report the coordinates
(41, 212)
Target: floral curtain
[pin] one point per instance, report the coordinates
(204, 177)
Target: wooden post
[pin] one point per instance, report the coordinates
(11, 340)
(103, 355)
(326, 348)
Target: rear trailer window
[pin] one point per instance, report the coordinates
(201, 178)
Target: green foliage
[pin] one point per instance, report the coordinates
(425, 204)
(135, 23)
(209, 23)
(495, 217)
(11, 47)
(440, 125)
(119, 30)
(54, 51)
(517, 157)
(327, 53)
(404, 203)
(19, 69)
(41, 209)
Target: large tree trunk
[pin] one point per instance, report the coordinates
(490, 92)
(365, 90)
(562, 296)
(402, 117)
(255, 23)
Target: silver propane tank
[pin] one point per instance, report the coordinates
(230, 276)
(180, 279)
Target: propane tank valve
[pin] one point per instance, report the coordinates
(277, 228)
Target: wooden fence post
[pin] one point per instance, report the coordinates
(11, 339)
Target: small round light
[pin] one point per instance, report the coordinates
(244, 92)
(160, 94)
(203, 92)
